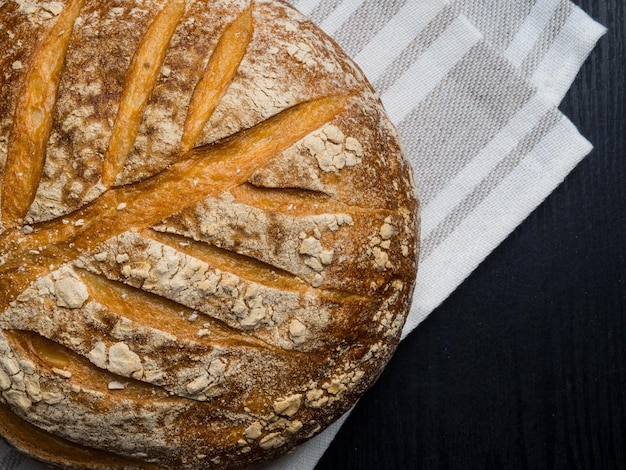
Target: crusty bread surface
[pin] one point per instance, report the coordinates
(208, 232)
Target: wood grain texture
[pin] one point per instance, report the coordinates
(524, 366)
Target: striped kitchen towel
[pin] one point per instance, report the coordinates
(472, 86)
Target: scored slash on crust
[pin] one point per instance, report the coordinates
(219, 73)
(142, 76)
(33, 119)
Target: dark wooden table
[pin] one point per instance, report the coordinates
(524, 366)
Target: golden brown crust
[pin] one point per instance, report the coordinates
(209, 233)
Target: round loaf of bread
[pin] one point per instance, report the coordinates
(208, 239)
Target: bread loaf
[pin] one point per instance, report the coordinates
(208, 237)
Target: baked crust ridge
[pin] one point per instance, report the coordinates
(209, 233)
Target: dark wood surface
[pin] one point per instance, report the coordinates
(524, 366)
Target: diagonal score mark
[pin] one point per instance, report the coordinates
(298, 202)
(33, 118)
(51, 354)
(203, 172)
(218, 76)
(159, 313)
(248, 268)
(243, 266)
(141, 79)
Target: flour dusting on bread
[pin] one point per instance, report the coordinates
(208, 232)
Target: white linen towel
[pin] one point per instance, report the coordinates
(472, 86)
